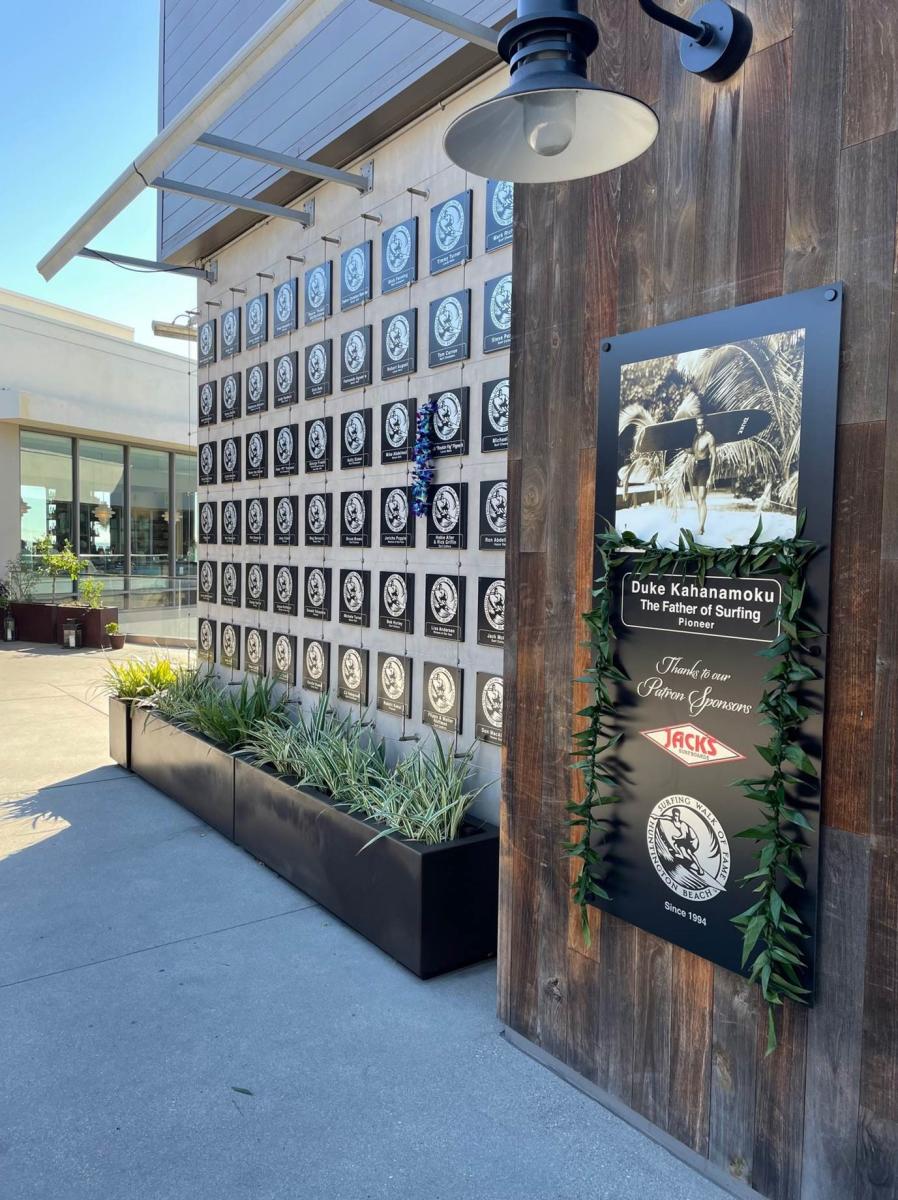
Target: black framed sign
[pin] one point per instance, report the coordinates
(257, 321)
(230, 397)
(493, 514)
(317, 602)
(352, 674)
(490, 611)
(207, 342)
(230, 459)
(355, 276)
(207, 581)
(319, 292)
(397, 602)
(286, 586)
(286, 450)
(444, 615)
(205, 464)
(286, 521)
(355, 438)
(286, 308)
(319, 369)
(499, 214)
(397, 526)
(399, 255)
(316, 665)
(207, 403)
(494, 415)
(397, 431)
(229, 653)
(286, 379)
(283, 658)
(319, 523)
(394, 684)
(450, 232)
(205, 639)
(497, 313)
(230, 584)
(447, 517)
(449, 422)
(449, 333)
(355, 518)
(319, 451)
(230, 522)
(230, 333)
(257, 521)
(257, 388)
(208, 522)
(355, 358)
(490, 692)
(257, 454)
(256, 592)
(399, 344)
(355, 597)
(442, 700)
(254, 646)
(722, 426)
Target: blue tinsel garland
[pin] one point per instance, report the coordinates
(423, 471)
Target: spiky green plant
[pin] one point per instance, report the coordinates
(138, 678)
(224, 714)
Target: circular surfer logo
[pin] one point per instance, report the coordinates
(503, 203)
(206, 636)
(448, 321)
(229, 641)
(283, 655)
(207, 577)
(206, 459)
(351, 669)
(398, 338)
(445, 509)
(494, 604)
(206, 399)
(229, 327)
(317, 363)
(314, 660)
(688, 847)
(255, 450)
(255, 316)
(441, 690)
(283, 301)
(500, 304)
(255, 581)
(316, 287)
(392, 677)
(229, 393)
(450, 225)
(255, 385)
(229, 579)
(206, 518)
(284, 515)
(354, 352)
(492, 699)
(447, 416)
(317, 440)
(399, 248)
(283, 585)
(354, 270)
(284, 374)
(444, 599)
(317, 514)
(206, 337)
(395, 595)
(285, 444)
(396, 510)
(315, 588)
(396, 425)
(254, 647)
(255, 516)
(497, 407)
(229, 454)
(353, 591)
(354, 512)
(354, 433)
(497, 507)
(229, 517)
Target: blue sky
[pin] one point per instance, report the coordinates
(78, 97)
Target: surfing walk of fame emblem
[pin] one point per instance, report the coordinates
(255, 651)
(499, 213)
(395, 529)
(230, 584)
(395, 445)
(446, 518)
(449, 422)
(688, 848)
(255, 586)
(318, 445)
(316, 606)
(442, 687)
(353, 673)
(355, 452)
(450, 232)
(207, 403)
(256, 321)
(285, 591)
(494, 423)
(356, 346)
(207, 462)
(399, 344)
(256, 521)
(315, 665)
(255, 455)
(285, 379)
(354, 593)
(206, 343)
(257, 388)
(446, 604)
(393, 693)
(399, 255)
(230, 397)
(285, 521)
(230, 333)
(285, 307)
(207, 521)
(317, 519)
(397, 602)
(284, 658)
(318, 292)
(356, 276)
(491, 626)
(230, 645)
(493, 514)
(497, 313)
(318, 370)
(230, 522)
(449, 328)
(207, 581)
(490, 703)
(205, 640)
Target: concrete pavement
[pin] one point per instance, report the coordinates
(177, 1023)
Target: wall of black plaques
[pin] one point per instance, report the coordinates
(317, 351)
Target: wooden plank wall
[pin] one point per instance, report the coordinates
(784, 178)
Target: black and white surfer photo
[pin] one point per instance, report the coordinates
(709, 440)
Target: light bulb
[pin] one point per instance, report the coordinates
(549, 121)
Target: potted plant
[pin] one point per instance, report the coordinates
(125, 683)
(115, 635)
(88, 611)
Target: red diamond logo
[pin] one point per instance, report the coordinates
(690, 745)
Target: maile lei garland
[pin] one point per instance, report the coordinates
(423, 470)
(771, 929)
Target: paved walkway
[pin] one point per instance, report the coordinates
(177, 1023)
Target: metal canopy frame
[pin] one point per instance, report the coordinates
(302, 166)
(151, 264)
(228, 198)
(443, 18)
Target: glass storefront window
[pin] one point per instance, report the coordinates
(149, 512)
(45, 501)
(102, 506)
(185, 513)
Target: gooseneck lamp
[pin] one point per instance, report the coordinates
(551, 123)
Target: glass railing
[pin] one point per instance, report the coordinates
(151, 606)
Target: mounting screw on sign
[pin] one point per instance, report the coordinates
(606, 346)
(830, 294)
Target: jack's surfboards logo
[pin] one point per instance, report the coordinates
(688, 847)
(690, 745)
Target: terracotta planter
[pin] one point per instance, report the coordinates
(116, 641)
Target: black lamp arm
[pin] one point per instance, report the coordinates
(700, 33)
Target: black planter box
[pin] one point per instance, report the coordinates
(187, 767)
(120, 731)
(432, 908)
